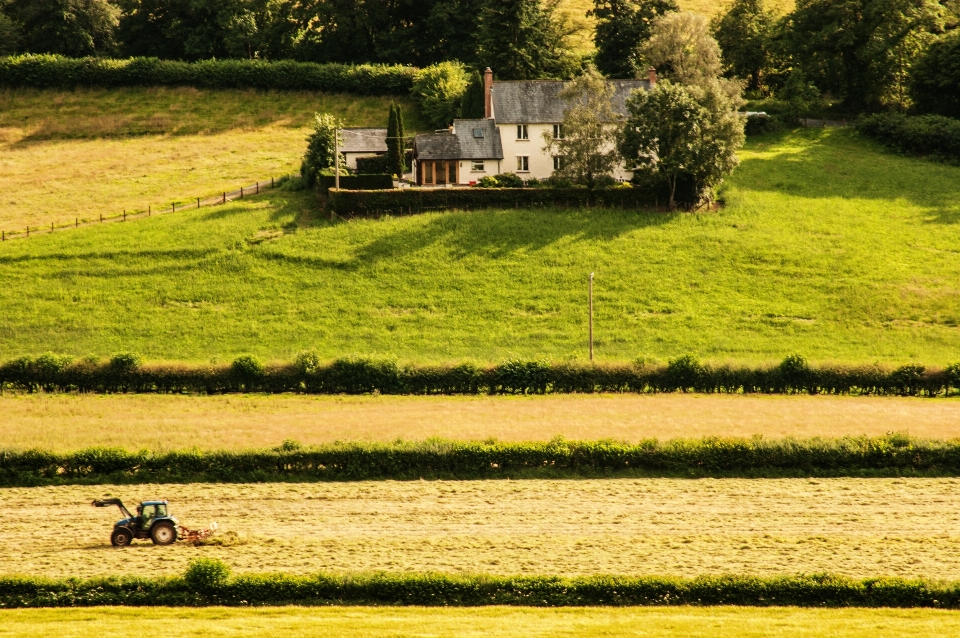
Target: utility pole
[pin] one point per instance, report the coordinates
(590, 295)
(336, 159)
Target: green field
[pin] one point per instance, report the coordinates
(495, 622)
(827, 246)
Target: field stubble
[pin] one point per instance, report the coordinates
(855, 527)
(68, 422)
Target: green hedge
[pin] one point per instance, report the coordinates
(52, 373)
(933, 135)
(417, 200)
(821, 590)
(363, 182)
(375, 165)
(892, 455)
(50, 71)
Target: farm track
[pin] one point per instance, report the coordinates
(855, 527)
(164, 422)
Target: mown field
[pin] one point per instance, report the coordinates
(853, 527)
(828, 246)
(497, 622)
(77, 154)
(232, 422)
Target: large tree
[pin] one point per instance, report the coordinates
(683, 50)
(9, 32)
(936, 77)
(622, 28)
(860, 51)
(744, 34)
(524, 40)
(586, 147)
(68, 27)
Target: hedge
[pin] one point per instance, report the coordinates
(363, 182)
(933, 135)
(349, 203)
(308, 375)
(51, 71)
(819, 590)
(891, 455)
(374, 165)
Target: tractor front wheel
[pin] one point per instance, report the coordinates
(121, 537)
(163, 534)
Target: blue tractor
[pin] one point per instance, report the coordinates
(152, 521)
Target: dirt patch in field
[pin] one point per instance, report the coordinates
(655, 526)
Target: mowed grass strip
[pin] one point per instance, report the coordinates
(68, 422)
(76, 154)
(498, 622)
(853, 527)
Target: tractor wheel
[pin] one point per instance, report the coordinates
(163, 534)
(121, 537)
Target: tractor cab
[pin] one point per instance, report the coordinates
(152, 521)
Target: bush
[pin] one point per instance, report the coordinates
(206, 574)
(763, 124)
(376, 165)
(356, 182)
(932, 135)
(439, 90)
(935, 77)
(51, 71)
(248, 371)
(321, 147)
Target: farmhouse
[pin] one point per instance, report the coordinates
(511, 137)
(362, 142)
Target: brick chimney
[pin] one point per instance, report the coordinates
(652, 76)
(487, 97)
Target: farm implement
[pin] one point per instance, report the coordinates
(152, 521)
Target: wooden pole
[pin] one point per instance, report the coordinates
(124, 215)
(77, 224)
(224, 197)
(591, 315)
(173, 207)
(51, 227)
(258, 188)
(148, 211)
(198, 202)
(241, 192)
(336, 159)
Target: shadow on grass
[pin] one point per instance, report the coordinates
(821, 164)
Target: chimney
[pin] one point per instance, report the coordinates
(487, 97)
(652, 76)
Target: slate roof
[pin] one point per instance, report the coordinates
(538, 101)
(364, 140)
(462, 143)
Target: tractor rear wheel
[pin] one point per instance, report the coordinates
(121, 537)
(163, 534)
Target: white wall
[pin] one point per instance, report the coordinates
(466, 174)
(541, 161)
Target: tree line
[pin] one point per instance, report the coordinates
(866, 55)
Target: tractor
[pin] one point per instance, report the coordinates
(152, 521)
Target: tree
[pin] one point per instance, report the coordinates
(682, 49)
(935, 82)
(69, 27)
(321, 147)
(471, 105)
(9, 33)
(744, 34)
(401, 145)
(439, 90)
(675, 133)
(586, 148)
(524, 40)
(860, 51)
(396, 162)
(622, 28)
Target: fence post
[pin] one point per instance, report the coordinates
(241, 192)
(224, 197)
(124, 215)
(3, 235)
(28, 231)
(51, 227)
(271, 182)
(148, 210)
(258, 188)
(77, 225)
(101, 218)
(198, 202)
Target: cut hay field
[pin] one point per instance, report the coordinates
(853, 527)
(65, 423)
(828, 246)
(489, 622)
(76, 154)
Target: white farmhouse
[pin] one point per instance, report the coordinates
(511, 137)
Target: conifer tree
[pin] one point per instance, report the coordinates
(401, 145)
(524, 40)
(622, 27)
(392, 141)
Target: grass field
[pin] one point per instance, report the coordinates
(71, 422)
(828, 246)
(495, 622)
(70, 154)
(855, 527)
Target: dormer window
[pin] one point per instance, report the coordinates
(478, 133)
(522, 132)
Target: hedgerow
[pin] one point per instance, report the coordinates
(891, 455)
(818, 590)
(309, 375)
(52, 71)
(933, 135)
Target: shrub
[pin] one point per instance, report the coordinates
(935, 77)
(762, 125)
(509, 180)
(932, 135)
(248, 371)
(321, 146)
(439, 91)
(795, 372)
(382, 181)
(683, 373)
(51, 71)
(126, 362)
(376, 165)
(205, 574)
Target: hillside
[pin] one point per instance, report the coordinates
(827, 246)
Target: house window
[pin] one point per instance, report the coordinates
(523, 163)
(557, 131)
(522, 132)
(428, 172)
(557, 162)
(478, 133)
(451, 172)
(477, 166)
